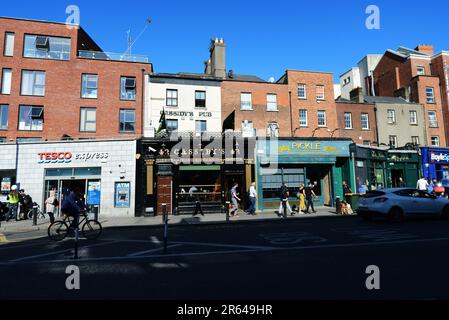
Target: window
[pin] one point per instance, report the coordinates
(413, 118)
(127, 120)
(43, 47)
(200, 126)
(200, 99)
(430, 95)
(365, 121)
(88, 120)
(303, 120)
(8, 49)
(302, 91)
(246, 103)
(248, 129)
(6, 81)
(433, 123)
(272, 102)
(421, 71)
(273, 130)
(391, 115)
(89, 88)
(321, 118)
(348, 120)
(128, 88)
(366, 143)
(415, 140)
(393, 141)
(320, 93)
(435, 141)
(31, 118)
(3, 117)
(33, 83)
(172, 125)
(172, 98)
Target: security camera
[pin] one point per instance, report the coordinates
(151, 149)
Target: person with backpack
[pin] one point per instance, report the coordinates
(50, 205)
(71, 208)
(285, 205)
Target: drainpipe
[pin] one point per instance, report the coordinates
(291, 112)
(142, 115)
(377, 125)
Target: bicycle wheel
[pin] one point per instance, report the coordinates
(58, 231)
(92, 229)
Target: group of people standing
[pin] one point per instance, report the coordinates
(305, 196)
(18, 205)
(434, 186)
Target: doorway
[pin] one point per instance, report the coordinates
(396, 175)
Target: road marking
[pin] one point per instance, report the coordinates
(3, 238)
(12, 247)
(223, 245)
(286, 238)
(153, 250)
(60, 251)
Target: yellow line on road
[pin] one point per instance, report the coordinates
(2, 238)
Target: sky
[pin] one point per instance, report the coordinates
(263, 38)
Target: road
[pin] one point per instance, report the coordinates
(323, 258)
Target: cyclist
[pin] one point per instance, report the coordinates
(71, 208)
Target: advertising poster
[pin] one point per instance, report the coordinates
(6, 184)
(122, 194)
(94, 193)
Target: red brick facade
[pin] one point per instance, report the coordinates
(357, 134)
(62, 100)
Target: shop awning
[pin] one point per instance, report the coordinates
(199, 168)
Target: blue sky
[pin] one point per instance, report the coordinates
(263, 37)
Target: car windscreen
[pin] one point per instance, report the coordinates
(374, 194)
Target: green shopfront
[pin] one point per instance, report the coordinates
(325, 163)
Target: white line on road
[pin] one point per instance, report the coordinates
(153, 250)
(224, 245)
(60, 251)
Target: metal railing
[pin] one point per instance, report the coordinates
(113, 56)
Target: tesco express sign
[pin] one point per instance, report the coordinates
(439, 157)
(68, 157)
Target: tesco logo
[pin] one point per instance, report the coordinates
(55, 157)
(439, 157)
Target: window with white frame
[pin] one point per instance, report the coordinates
(248, 129)
(391, 116)
(303, 119)
(4, 117)
(302, 91)
(430, 95)
(348, 120)
(413, 117)
(127, 120)
(435, 140)
(320, 92)
(172, 125)
(415, 140)
(88, 120)
(272, 102)
(393, 141)
(246, 101)
(200, 99)
(6, 81)
(273, 130)
(33, 83)
(89, 86)
(365, 121)
(128, 88)
(8, 49)
(200, 126)
(433, 123)
(44, 47)
(172, 98)
(31, 118)
(421, 71)
(322, 121)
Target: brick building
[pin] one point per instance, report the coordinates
(57, 82)
(413, 75)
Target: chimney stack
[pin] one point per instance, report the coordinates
(425, 48)
(356, 95)
(216, 65)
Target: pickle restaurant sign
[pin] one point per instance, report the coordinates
(69, 157)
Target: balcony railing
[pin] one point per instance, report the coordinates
(113, 56)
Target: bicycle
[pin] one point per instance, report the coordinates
(39, 212)
(91, 229)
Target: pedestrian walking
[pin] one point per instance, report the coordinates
(285, 205)
(302, 198)
(422, 184)
(252, 199)
(309, 198)
(235, 200)
(50, 205)
(402, 183)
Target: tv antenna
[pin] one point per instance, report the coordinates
(131, 43)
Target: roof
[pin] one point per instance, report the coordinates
(390, 100)
(407, 53)
(244, 78)
(185, 75)
(39, 21)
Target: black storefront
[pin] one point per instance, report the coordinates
(180, 172)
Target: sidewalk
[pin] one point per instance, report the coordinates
(108, 222)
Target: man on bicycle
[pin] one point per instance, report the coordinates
(71, 208)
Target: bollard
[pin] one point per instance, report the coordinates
(284, 202)
(75, 256)
(228, 207)
(34, 216)
(165, 219)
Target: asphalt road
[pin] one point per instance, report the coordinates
(323, 258)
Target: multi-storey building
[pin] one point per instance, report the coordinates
(61, 97)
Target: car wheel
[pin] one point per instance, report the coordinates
(396, 215)
(445, 213)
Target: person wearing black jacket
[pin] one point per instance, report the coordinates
(285, 205)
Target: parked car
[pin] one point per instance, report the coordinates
(398, 204)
